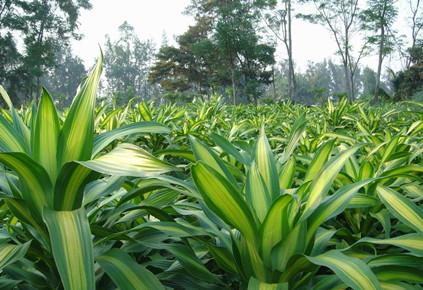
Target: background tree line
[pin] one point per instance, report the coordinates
(230, 50)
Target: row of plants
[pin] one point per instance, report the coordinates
(210, 196)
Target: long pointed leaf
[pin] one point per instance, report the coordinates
(266, 165)
(76, 137)
(45, 134)
(128, 160)
(104, 139)
(37, 186)
(72, 247)
(126, 273)
(402, 208)
(224, 199)
(352, 271)
(321, 185)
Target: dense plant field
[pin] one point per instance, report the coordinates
(210, 196)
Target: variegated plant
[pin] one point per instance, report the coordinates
(48, 163)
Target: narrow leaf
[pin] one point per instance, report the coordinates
(224, 199)
(402, 208)
(72, 247)
(76, 137)
(104, 139)
(44, 135)
(128, 160)
(321, 185)
(126, 273)
(352, 271)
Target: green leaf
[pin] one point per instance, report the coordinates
(352, 271)
(333, 206)
(292, 245)
(275, 227)
(223, 258)
(406, 260)
(209, 157)
(399, 273)
(410, 242)
(70, 238)
(297, 131)
(254, 284)
(20, 210)
(5, 97)
(37, 186)
(397, 286)
(128, 160)
(319, 160)
(228, 148)
(126, 273)
(191, 263)
(20, 129)
(390, 148)
(104, 139)
(45, 134)
(321, 185)
(224, 199)
(266, 165)
(76, 137)
(402, 208)
(10, 253)
(256, 192)
(286, 175)
(70, 185)
(10, 139)
(321, 241)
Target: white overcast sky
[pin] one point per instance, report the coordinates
(152, 18)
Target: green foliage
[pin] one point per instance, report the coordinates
(210, 196)
(224, 39)
(127, 62)
(44, 27)
(410, 81)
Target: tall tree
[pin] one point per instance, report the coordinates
(379, 18)
(44, 26)
(416, 23)
(280, 23)
(341, 17)
(192, 66)
(127, 62)
(224, 45)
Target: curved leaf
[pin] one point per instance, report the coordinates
(37, 186)
(410, 242)
(128, 160)
(321, 185)
(126, 273)
(102, 140)
(70, 238)
(266, 165)
(45, 134)
(76, 137)
(402, 208)
(352, 271)
(224, 199)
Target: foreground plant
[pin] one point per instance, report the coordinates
(47, 166)
(275, 237)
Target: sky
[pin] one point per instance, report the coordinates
(153, 18)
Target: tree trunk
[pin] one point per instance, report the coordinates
(273, 83)
(379, 64)
(348, 68)
(348, 82)
(233, 85)
(381, 48)
(292, 83)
